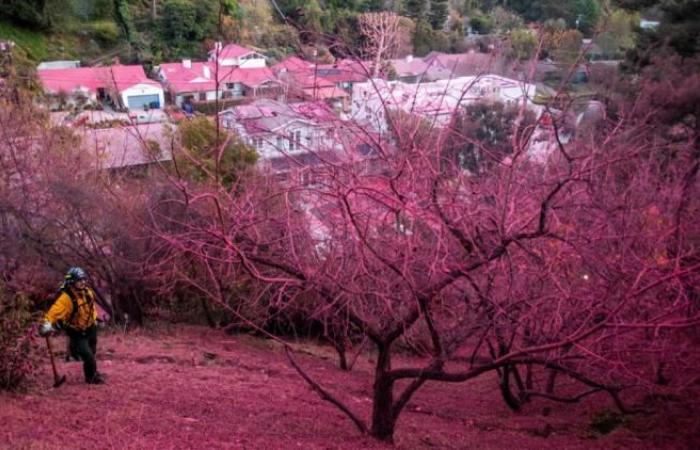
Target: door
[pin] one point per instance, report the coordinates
(141, 101)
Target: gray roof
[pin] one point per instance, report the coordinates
(52, 65)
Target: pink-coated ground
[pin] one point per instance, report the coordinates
(190, 387)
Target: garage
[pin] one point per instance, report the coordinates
(152, 101)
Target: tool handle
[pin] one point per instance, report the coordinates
(53, 363)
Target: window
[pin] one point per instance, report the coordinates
(230, 85)
(295, 140)
(202, 96)
(256, 142)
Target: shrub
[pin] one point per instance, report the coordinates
(481, 24)
(16, 319)
(104, 31)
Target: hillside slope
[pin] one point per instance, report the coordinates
(196, 388)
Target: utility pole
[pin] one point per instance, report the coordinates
(315, 71)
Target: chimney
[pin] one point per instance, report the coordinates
(187, 63)
(409, 58)
(207, 72)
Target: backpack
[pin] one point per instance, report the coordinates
(74, 303)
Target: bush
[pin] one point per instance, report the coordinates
(481, 24)
(16, 361)
(104, 31)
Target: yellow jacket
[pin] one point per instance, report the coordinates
(84, 318)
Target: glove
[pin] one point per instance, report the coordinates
(45, 329)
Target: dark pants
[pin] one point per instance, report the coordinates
(84, 345)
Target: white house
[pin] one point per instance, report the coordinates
(435, 101)
(277, 129)
(125, 86)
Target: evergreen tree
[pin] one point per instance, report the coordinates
(586, 14)
(438, 13)
(414, 9)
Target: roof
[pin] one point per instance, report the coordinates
(406, 67)
(325, 92)
(267, 115)
(128, 76)
(91, 79)
(201, 76)
(344, 70)
(443, 65)
(120, 147)
(52, 65)
(88, 79)
(250, 77)
(293, 64)
(232, 51)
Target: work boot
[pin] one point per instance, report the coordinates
(97, 379)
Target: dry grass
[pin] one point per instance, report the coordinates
(190, 387)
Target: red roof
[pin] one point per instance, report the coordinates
(327, 92)
(69, 80)
(201, 76)
(232, 51)
(293, 64)
(93, 78)
(250, 77)
(128, 76)
(345, 70)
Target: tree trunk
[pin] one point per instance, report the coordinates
(207, 313)
(506, 392)
(383, 408)
(339, 345)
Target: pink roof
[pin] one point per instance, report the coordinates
(93, 78)
(69, 80)
(250, 77)
(325, 93)
(293, 64)
(319, 111)
(232, 51)
(128, 76)
(197, 79)
(307, 80)
(345, 70)
(188, 79)
(409, 67)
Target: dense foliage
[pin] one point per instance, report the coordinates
(16, 339)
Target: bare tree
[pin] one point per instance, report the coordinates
(381, 30)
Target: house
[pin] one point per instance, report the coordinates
(304, 141)
(287, 137)
(434, 101)
(233, 55)
(124, 86)
(276, 129)
(189, 81)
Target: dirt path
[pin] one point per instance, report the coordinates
(192, 387)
